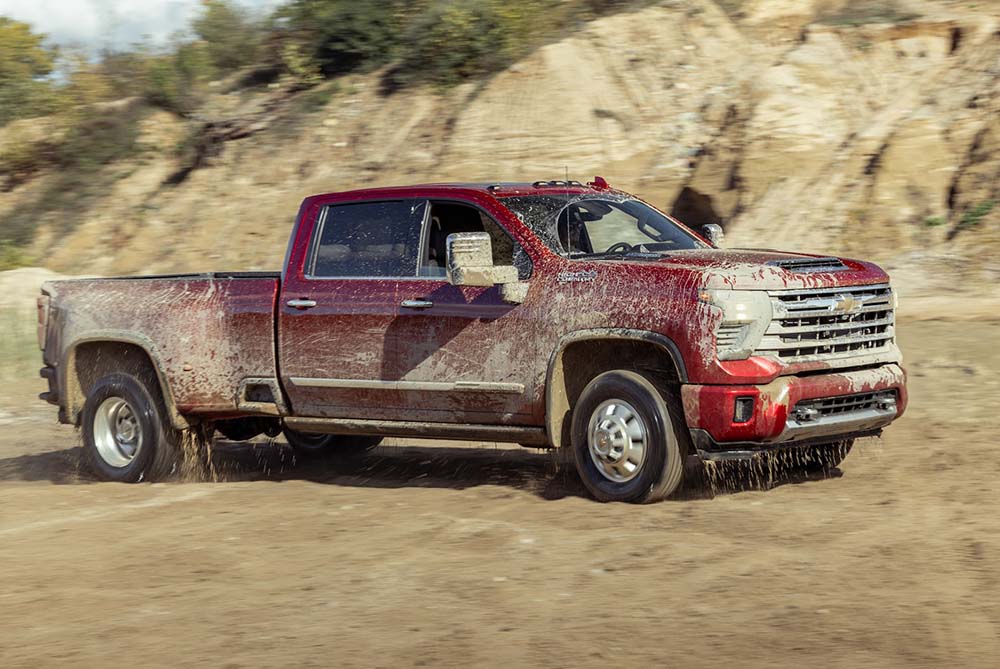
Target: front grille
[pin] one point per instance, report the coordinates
(820, 324)
(801, 265)
(884, 400)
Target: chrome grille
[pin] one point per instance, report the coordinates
(820, 324)
(884, 400)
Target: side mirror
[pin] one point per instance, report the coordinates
(713, 233)
(470, 263)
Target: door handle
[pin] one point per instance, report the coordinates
(301, 304)
(416, 304)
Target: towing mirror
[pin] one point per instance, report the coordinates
(713, 233)
(470, 263)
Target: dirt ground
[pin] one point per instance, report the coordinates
(424, 555)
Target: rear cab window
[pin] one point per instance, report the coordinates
(367, 239)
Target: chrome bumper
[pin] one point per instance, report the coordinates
(829, 426)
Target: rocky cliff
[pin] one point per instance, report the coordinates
(863, 128)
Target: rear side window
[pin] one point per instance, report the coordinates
(380, 239)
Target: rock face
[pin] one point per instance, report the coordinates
(867, 128)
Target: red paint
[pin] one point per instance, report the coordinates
(223, 328)
(711, 407)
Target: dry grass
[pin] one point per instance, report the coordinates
(861, 12)
(18, 349)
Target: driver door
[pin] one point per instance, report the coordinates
(463, 354)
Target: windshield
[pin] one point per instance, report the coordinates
(600, 225)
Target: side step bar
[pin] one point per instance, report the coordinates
(532, 436)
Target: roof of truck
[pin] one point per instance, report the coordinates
(497, 188)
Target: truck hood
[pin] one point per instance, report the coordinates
(765, 269)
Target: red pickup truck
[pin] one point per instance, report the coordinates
(550, 314)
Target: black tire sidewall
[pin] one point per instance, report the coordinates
(331, 445)
(641, 394)
(144, 406)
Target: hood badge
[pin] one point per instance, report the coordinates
(573, 277)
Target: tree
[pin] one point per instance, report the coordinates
(24, 60)
(230, 34)
(343, 35)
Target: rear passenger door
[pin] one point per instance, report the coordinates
(337, 310)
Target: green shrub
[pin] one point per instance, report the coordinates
(315, 99)
(456, 40)
(24, 60)
(21, 158)
(302, 67)
(934, 221)
(12, 257)
(174, 80)
(231, 36)
(974, 216)
(345, 35)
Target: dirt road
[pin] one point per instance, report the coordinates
(488, 556)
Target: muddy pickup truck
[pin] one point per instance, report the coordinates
(550, 314)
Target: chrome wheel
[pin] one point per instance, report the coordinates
(117, 433)
(616, 439)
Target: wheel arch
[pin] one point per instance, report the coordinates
(90, 357)
(594, 351)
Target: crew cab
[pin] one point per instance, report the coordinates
(550, 314)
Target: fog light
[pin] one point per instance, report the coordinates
(743, 410)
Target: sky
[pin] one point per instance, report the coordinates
(98, 24)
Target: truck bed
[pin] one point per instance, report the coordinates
(205, 332)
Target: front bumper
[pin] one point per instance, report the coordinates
(777, 418)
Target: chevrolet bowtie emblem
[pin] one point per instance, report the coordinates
(843, 304)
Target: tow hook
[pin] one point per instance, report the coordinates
(886, 403)
(805, 414)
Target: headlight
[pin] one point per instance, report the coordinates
(745, 316)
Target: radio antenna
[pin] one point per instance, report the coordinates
(569, 233)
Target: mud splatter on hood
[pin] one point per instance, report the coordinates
(761, 269)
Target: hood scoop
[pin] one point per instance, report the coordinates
(803, 265)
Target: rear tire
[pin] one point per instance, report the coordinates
(127, 436)
(309, 445)
(629, 445)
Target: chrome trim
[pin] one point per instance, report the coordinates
(811, 324)
(617, 439)
(117, 432)
(369, 384)
(837, 424)
(301, 304)
(416, 304)
(836, 289)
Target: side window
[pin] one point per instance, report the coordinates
(447, 218)
(368, 239)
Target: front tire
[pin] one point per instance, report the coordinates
(626, 445)
(313, 445)
(127, 436)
